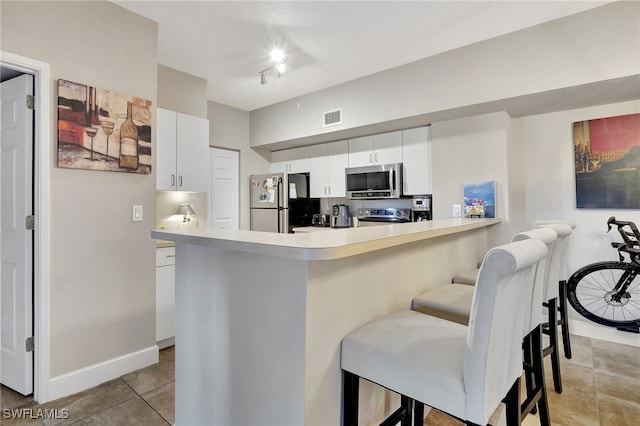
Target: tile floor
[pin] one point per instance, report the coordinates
(144, 397)
(601, 387)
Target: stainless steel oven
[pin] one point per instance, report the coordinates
(375, 216)
(378, 182)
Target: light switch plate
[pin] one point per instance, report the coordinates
(456, 210)
(138, 214)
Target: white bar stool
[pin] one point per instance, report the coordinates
(453, 302)
(555, 301)
(463, 371)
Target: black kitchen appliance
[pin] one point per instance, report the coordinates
(421, 208)
(280, 202)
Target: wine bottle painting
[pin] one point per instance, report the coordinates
(102, 130)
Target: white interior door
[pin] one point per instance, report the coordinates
(224, 195)
(16, 248)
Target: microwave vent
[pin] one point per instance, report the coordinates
(332, 118)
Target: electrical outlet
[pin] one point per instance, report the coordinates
(137, 214)
(456, 210)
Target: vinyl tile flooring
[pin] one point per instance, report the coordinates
(143, 397)
(601, 388)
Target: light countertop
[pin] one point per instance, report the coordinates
(307, 229)
(164, 244)
(338, 243)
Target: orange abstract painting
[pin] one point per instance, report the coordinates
(102, 130)
(607, 162)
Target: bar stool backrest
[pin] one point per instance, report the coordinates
(558, 259)
(493, 358)
(549, 237)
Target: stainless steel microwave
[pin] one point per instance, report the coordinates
(374, 182)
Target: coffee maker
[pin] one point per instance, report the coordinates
(340, 216)
(421, 208)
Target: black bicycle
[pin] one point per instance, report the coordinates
(609, 292)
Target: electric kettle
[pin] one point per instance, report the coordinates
(340, 216)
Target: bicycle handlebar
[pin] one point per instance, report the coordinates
(630, 246)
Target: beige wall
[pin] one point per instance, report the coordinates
(182, 92)
(472, 149)
(229, 128)
(102, 281)
(593, 46)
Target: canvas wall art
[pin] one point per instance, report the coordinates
(102, 130)
(607, 162)
(480, 199)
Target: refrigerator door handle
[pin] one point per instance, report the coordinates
(278, 203)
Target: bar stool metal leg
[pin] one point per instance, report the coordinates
(527, 358)
(551, 330)
(564, 320)
(418, 414)
(536, 390)
(512, 405)
(351, 387)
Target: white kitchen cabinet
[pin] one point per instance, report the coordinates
(326, 169)
(182, 154)
(294, 160)
(279, 161)
(416, 163)
(384, 148)
(165, 295)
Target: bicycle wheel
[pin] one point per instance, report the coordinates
(590, 291)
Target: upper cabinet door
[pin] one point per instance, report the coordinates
(338, 160)
(318, 171)
(361, 151)
(299, 160)
(326, 169)
(294, 160)
(166, 178)
(279, 161)
(387, 148)
(193, 153)
(182, 154)
(384, 148)
(416, 154)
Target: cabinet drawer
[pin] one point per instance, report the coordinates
(165, 256)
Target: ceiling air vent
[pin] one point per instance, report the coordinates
(332, 118)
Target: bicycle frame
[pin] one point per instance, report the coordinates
(620, 290)
(608, 292)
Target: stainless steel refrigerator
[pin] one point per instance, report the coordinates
(280, 201)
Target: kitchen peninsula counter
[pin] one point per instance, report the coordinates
(341, 242)
(260, 316)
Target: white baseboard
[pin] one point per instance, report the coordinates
(94, 375)
(162, 344)
(601, 332)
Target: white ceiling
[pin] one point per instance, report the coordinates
(326, 42)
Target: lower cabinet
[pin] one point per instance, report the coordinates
(165, 296)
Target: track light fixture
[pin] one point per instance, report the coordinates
(279, 65)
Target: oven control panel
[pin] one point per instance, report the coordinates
(384, 215)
